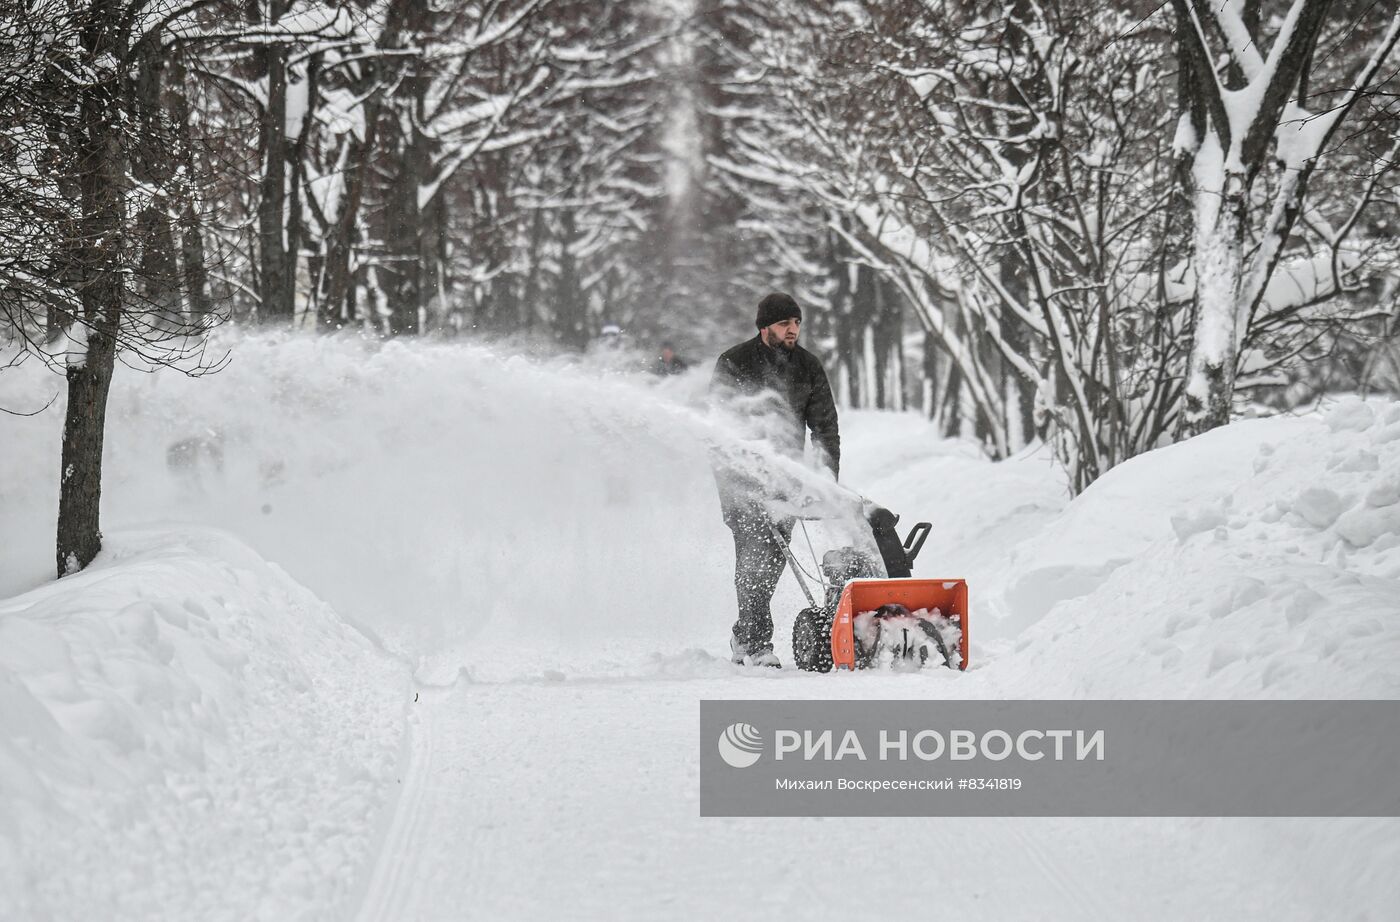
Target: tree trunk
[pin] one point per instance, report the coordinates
(840, 272)
(80, 490)
(102, 197)
(274, 271)
(433, 265)
(889, 345)
(195, 260)
(1224, 165)
(403, 228)
(1215, 344)
(880, 335)
(1019, 390)
(530, 303)
(335, 295)
(572, 321)
(193, 256)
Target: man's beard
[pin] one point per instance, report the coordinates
(785, 344)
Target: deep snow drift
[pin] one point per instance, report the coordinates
(540, 544)
(187, 733)
(1257, 560)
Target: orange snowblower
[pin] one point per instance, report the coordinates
(869, 619)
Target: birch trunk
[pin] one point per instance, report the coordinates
(1215, 346)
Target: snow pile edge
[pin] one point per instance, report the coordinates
(1261, 560)
(186, 732)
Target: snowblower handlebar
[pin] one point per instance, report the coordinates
(915, 540)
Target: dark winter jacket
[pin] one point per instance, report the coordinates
(786, 393)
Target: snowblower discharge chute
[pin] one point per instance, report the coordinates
(868, 619)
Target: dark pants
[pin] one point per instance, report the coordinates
(758, 562)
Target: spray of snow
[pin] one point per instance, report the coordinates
(437, 495)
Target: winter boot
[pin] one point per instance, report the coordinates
(760, 656)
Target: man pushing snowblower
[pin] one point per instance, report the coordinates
(779, 391)
(776, 391)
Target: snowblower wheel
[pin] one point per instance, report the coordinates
(811, 640)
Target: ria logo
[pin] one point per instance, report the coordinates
(740, 745)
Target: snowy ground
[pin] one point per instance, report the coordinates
(534, 554)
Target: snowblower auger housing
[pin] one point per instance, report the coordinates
(849, 631)
(946, 596)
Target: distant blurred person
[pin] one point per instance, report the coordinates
(668, 363)
(197, 461)
(782, 389)
(610, 337)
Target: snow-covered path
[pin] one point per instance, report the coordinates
(549, 800)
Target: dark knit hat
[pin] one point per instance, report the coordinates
(775, 308)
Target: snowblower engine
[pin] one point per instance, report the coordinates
(889, 619)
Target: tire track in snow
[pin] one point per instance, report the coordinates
(1063, 874)
(579, 802)
(392, 885)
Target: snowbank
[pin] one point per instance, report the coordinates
(1258, 560)
(186, 733)
(979, 510)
